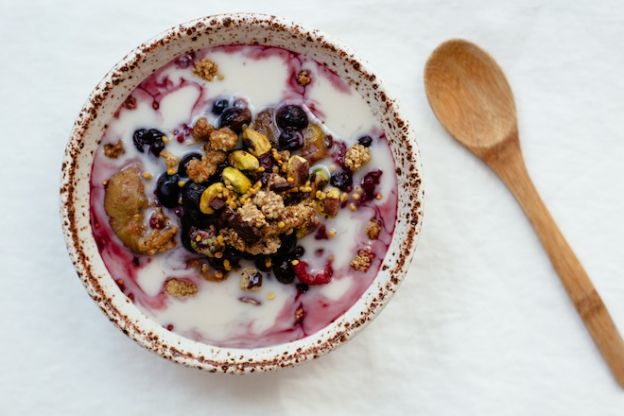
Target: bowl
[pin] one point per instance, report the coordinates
(117, 85)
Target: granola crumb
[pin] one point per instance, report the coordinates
(270, 296)
(223, 139)
(373, 228)
(148, 175)
(362, 260)
(200, 170)
(202, 129)
(356, 157)
(207, 272)
(114, 150)
(171, 161)
(299, 314)
(250, 214)
(304, 78)
(250, 280)
(158, 241)
(180, 288)
(207, 69)
(270, 203)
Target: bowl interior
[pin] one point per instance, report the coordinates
(117, 85)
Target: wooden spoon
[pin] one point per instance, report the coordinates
(470, 96)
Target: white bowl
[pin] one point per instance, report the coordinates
(117, 85)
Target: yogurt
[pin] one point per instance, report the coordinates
(221, 313)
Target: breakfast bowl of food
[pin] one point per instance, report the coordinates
(240, 194)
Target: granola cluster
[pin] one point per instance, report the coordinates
(252, 192)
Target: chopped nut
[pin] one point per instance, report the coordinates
(270, 203)
(200, 170)
(356, 157)
(304, 78)
(299, 314)
(242, 160)
(330, 203)
(373, 228)
(363, 259)
(251, 280)
(264, 123)
(214, 191)
(206, 242)
(180, 288)
(235, 178)
(223, 139)
(207, 69)
(202, 129)
(298, 168)
(258, 143)
(115, 150)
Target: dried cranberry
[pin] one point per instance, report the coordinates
(365, 141)
(219, 106)
(167, 190)
(338, 151)
(321, 233)
(320, 278)
(369, 183)
(291, 116)
(342, 180)
(185, 161)
(290, 139)
(283, 271)
(235, 118)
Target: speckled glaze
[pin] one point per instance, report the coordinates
(116, 86)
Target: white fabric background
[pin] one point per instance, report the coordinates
(481, 326)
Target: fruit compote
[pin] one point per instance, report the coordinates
(243, 196)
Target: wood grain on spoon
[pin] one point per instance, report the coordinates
(472, 99)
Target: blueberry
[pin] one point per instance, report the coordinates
(283, 271)
(219, 106)
(291, 116)
(191, 194)
(365, 141)
(235, 118)
(299, 252)
(167, 190)
(342, 180)
(184, 162)
(290, 139)
(151, 138)
(261, 263)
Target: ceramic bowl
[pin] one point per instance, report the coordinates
(117, 85)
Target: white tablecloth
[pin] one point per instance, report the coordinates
(481, 326)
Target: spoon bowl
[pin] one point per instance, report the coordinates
(471, 97)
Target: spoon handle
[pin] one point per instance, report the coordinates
(508, 163)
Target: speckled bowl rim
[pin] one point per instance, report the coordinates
(75, 204)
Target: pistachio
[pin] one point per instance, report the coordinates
(258, 142)
(298, 168)
(319, 178)
(213, 192)
(242, 160)
(236, 179)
